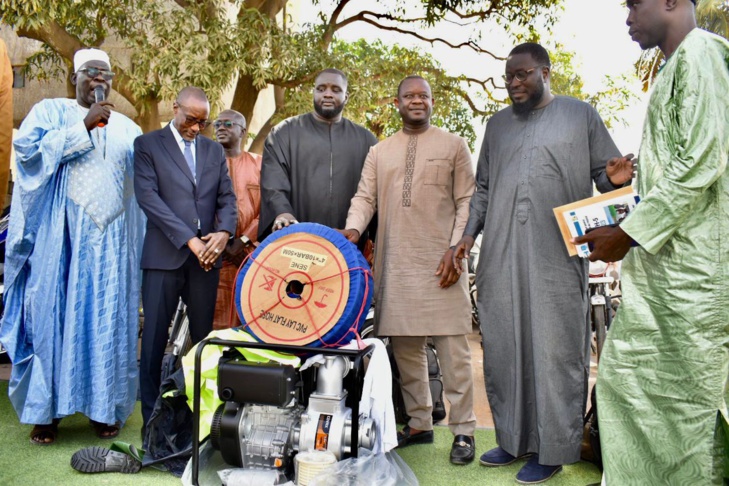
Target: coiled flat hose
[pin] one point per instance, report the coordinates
(305, 285)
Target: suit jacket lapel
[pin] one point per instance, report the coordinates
(170, 144)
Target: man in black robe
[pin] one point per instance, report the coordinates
(312, 163)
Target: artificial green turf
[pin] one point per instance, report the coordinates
(23, 463)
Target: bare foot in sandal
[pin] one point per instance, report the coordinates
(44, 434)
(104, 431)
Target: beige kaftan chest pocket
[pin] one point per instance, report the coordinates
(438, 172)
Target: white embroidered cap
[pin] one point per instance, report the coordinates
(83, 56)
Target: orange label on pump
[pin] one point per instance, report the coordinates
(322, 432)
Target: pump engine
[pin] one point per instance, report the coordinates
(267, 417)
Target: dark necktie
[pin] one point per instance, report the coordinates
(188, 157)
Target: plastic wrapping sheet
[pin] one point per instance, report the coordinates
(214, 471)
(368, 470)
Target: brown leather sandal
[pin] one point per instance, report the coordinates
(44, 434)
(105, 431)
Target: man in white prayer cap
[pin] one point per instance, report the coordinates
(72, 262)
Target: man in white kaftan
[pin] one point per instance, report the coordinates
(72, 263)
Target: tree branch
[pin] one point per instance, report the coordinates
(55, 36)
(338, 11)
(483, 83)
(467, 98)
(293, 83)
(385, 16)
(121, 86)
(361, 17)
(332, 25)
(99, 39)
(479, 14)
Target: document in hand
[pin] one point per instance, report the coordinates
(576, 218)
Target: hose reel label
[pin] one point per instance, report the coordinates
(284, 321)
(322, 432)
(302, 259)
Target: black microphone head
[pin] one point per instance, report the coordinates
(99, 93)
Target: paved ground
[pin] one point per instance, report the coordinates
(481, 404)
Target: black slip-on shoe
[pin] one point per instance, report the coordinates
(463, 449)
(405, 438)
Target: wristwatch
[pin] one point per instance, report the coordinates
(246, 241)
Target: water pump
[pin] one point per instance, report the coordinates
(267, 416)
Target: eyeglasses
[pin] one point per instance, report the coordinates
(92, 72)
(193, 121)
(226, 123)
(520, 75)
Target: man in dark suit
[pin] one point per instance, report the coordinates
(182, 184)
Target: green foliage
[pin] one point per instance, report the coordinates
(713, 15)
(179, 43)
(173, 49)
(172, 46)
(45, 65)
(509, 13)
(564, 78)
(611, 101)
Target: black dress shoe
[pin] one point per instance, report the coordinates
(405, 438)
(463, 449)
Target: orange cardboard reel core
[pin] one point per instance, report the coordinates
(296, 291)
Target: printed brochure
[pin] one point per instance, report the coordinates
(576, 218)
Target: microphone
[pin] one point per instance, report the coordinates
(99, 96)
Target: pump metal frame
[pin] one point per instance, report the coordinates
(354, 390)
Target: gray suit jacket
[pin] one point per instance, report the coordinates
(173, 203)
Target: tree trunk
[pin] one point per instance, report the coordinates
(246, 93)
(150, 120)
(269, 8)
(245, 97)
(257, 144)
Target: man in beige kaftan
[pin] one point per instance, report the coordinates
(245, 172)
(420, 182)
